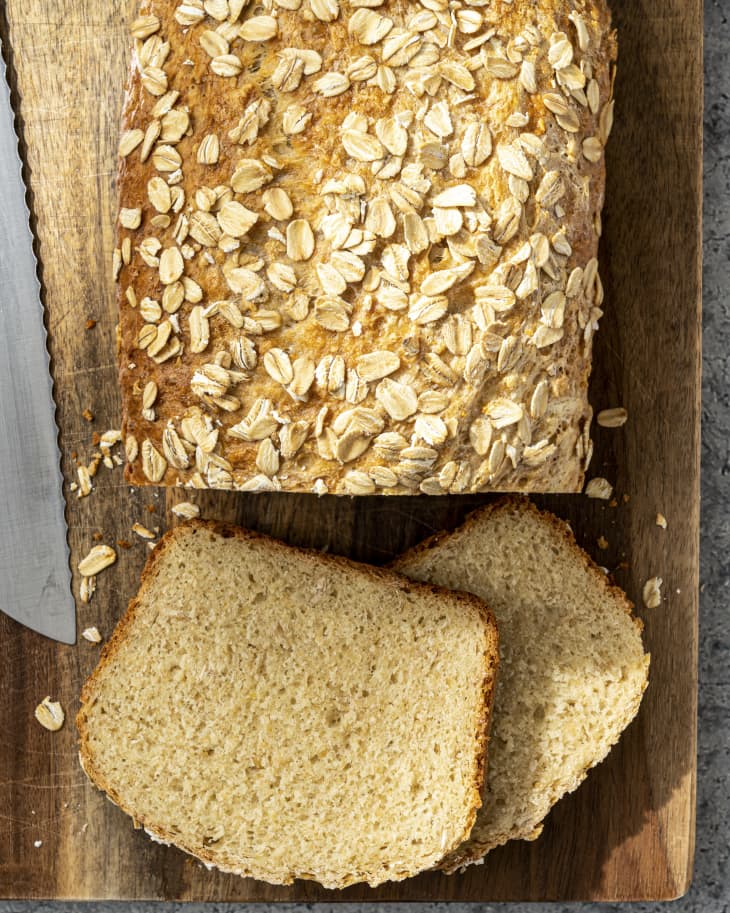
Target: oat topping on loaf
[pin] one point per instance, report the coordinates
(357, 243)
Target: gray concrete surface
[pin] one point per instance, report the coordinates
(710, 892)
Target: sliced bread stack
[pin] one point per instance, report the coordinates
(282, 714)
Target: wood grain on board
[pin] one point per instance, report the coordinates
(627, 833)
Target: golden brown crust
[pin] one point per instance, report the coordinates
(489, 360)
(125, 629)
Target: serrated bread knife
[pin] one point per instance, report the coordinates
(35, 579)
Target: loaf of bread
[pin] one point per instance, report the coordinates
(572, 672)
(282, 714)
(357, 243)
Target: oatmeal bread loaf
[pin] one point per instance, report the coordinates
(357, 243)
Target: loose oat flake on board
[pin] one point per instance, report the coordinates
(50, 714)
(92, 635)
(100, 557)
(652, 593)
(599, 488)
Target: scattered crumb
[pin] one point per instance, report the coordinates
(613, 503)
(124, 543)
(612, 418)
(97, 537)
(90, 323)
(602, 542)
(87, 415)
(142, 531)
(50, 714)
(105, 441)
(599, 488)
(151, 508)
(661, 520)
(37, 844)
(626, 498)
(186, 509)
(92, 635)
(652, 593)
(94, 464)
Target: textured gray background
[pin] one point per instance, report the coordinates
(711, 889)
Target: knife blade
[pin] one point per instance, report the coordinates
(35, 578)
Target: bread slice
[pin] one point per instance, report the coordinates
(282, 714)
(573, 668)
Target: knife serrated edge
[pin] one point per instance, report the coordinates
(22, 166)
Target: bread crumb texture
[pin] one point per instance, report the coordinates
(284, 715)
(572, 670)
(356, 246)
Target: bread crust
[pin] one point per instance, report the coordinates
(549, 449)
(125, 630)
(474, 851)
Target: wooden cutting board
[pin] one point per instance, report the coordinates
(628, 832)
